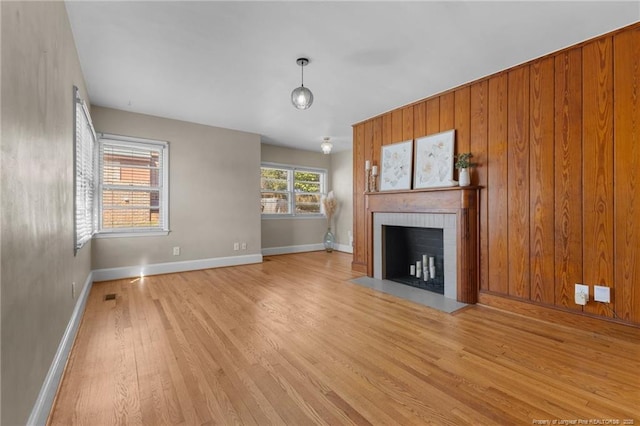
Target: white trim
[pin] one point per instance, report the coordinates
(44, 402)
(171, 267)
(270, 251)
(344, 248)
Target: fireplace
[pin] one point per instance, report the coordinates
(452, 211)
(413, 256)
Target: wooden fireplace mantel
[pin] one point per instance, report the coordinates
(461, 201)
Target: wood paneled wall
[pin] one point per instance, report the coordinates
(558, 146)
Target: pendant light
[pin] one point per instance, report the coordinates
(326, 146)
(301, 97)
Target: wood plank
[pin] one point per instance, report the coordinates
(292, 341)
(626, 85)
(462, 119)
(597, 131)
(518, 182)
(568, 176)
(396, 126)
(407, 123)
(479, 148)
(541, 134)
(447, 111)
(386, 129)
(497, 185)
(433, 116)
(360, 249)
(368, 142)
(419, 120)
(377, 142)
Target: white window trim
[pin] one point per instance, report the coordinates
(291, 192)
(164, 205)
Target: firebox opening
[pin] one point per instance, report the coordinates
(404, 247)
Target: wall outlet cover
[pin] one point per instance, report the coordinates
(581, 294)
(602, 294)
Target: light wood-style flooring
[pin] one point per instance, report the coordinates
(292, 342)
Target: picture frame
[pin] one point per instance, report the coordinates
(395, 162)
(434, 159)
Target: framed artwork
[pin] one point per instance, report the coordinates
(396, 161)
(434, 160)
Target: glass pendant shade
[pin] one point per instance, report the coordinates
(326, 146)
(301, 97)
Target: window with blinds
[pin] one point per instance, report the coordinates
(133, 185)
(84, 174)
(291, 191)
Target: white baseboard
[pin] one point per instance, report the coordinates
(44, 402)
(344, 248)
(171, 267)
(270, 251)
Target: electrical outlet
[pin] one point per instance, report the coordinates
(236, 246)
(176, 251)
(601, 294)
(244, 246)
(73, 290)
(581, 294)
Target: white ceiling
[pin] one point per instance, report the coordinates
(233, 64)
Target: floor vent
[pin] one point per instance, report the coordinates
(111, 296)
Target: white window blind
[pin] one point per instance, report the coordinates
(133, 185)
(85, 176)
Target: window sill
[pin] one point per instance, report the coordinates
(131, 234)
(290, 216)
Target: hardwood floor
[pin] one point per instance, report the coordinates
(292, 341)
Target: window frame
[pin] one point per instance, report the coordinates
(292, 192)
(137, 143)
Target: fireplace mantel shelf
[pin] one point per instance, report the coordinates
(461, 201)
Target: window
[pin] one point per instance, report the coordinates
(133, 186)
(84, 173)
(291, 191)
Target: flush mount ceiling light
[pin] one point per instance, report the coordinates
(326, 146)
(301, 97)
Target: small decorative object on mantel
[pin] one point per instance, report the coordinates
(330, 204)
(367, 176)
(373, 187)
(463, 163)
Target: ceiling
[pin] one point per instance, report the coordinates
(233, 64)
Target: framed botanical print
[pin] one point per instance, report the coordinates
(395, 163)
(434, 160)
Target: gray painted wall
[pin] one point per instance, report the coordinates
(37, 265)
(214, 198)
(342, 178)
(284, 232)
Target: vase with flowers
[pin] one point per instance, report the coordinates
(463, 163)
(330, 204)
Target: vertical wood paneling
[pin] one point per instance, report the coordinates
(396, 126)
(541, 214)
(568, 176)
(597, 73)
(359, 249)
(377, 142)
(407, 123)
(447, 111)
(386, 129)
(518, 178)
(626, 296)
(368, 141)
(497, 184)
(419, 120)
(433, 116)
(462, 119)
(479, 148)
